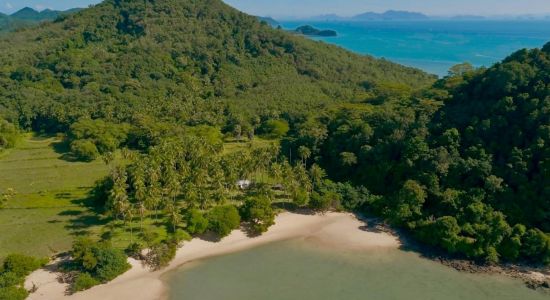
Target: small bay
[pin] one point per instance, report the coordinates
(304, 270)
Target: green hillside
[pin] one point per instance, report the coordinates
(196, 97)
(184, 61)
(464, 165)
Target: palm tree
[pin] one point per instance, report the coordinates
(304, 154)
(277, 172)
(302, 177)
(140, 190)
(174, 215)
(317, 174)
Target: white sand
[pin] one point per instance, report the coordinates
(330, 230)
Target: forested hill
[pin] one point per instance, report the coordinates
(465, 166)
(177, 60)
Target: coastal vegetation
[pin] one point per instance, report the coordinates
(158, 121)
(13, 270)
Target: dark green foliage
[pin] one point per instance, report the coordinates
(536, 246)
(325, 200)
(196, 222)
(134, 250)
(260, 214)
(182, 62)
(223, 219)
(464, 165)
(21, 265)
(83, 281)
(110, 263)
(84, 150)
(354, 199)
(13, 271)
(8, 134)
(99, 259)
(106, 137)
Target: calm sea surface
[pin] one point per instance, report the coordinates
(435, 46)
(299, 270)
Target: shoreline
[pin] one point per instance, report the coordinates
(331, 230)
(339, 230)
(534, 277)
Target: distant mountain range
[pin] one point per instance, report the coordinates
(396, 15)
(28, 17)
(390, 15)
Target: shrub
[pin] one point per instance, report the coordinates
(259, 213)
(83, 282)
(110, 263)
(301, 197)
(101, 260)
(134, 250)
(13, 293)
(8, 279)
(196, 222)
(181, 235)
(324, 201)
(161, 255)
(22, 265)
(85, 150)
(8, 134)
(223, 219)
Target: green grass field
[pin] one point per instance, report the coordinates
(50, 206)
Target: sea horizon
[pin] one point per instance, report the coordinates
(434, 45)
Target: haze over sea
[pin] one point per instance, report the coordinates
(435, 45)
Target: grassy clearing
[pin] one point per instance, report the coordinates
(233, 145)
(50, 206)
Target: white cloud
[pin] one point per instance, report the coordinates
(9, 5)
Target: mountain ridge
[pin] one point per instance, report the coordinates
(28, 16)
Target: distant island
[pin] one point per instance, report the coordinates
(391, 15)
(397, 15)
(312, 31)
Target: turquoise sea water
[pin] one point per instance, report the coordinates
(435, 46)
(302, 271)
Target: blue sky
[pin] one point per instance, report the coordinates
(279, 8)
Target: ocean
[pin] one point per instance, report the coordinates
(435, 46)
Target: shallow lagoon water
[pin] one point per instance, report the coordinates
(304, 270)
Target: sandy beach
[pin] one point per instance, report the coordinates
(340, 230)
